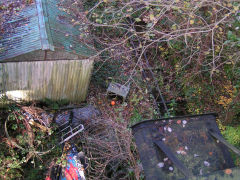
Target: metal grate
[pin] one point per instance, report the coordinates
(68, 131)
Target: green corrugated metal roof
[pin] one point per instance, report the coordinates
(41, 25)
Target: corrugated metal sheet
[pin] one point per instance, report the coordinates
(20, 34)
(65, 79)
(42, 25)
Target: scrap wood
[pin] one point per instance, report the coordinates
(43, 128)
(15, 144)
(36, 113)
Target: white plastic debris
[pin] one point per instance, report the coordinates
(165, 159)
(171, 168)
(186, 148)
(206, 163)
(165, 128)
(160, 165)
(200, 172)
(196, 155)
(181, 152)
(183, 125)
(184, 122)
(163, 139)
(169, 129)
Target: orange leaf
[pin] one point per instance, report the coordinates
(228, 171)
(179, 121)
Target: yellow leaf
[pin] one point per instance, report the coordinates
(236, 8)
(105, 1)
(192, 21)
(151, 17)
(161, 48)
(229, 5)
(130, 9)
(174, 27)
(137, 19)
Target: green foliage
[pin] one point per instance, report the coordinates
(25, 163)
(136, 117)
(38, 172)
(55, 105)
(104, 73)
(232, 135)
(172, 107)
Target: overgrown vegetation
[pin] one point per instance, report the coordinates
(192, 48)
(26, 151)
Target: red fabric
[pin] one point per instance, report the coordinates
(71, 174)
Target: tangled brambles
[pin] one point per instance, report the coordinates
(110, 149)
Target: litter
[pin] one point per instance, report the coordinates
(116, 89)
(160, 165)
(206, 163)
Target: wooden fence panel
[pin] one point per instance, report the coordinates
(63, 79)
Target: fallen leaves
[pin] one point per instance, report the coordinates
(191, 21)
(151, 16)
(137, 19)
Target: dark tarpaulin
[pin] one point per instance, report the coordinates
(183, 148)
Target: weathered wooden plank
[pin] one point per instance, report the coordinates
(65, 79)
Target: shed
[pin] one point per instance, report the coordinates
(43, 53)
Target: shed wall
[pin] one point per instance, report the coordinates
(63, 79)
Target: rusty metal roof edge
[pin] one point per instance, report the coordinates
(48, 60)
(42, 27)
(175, 117)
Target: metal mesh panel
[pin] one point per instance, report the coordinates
(63, 34)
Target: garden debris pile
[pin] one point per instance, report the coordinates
(106, 143)
(26, 127)
(109, 147)
(38, 114)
